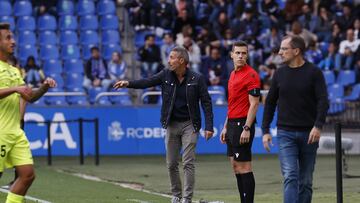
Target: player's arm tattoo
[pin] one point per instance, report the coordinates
(38, 93)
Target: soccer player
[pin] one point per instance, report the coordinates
(298, 90)
(239, 127)
(14, 146)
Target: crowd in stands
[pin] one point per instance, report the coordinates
(207, 28)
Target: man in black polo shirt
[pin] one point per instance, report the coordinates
(299, 91)
(239, 126)
(182, 89)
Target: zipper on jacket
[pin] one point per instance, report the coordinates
(187, 103)
(171, 104)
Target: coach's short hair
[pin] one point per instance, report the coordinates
(296, 42)
(182, 52)
(239, 44)
(4, 26)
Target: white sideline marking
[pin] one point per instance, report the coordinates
(27, 197)
(136, 200)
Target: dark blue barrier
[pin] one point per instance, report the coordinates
(122, 131)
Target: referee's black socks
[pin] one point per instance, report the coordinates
(246, 186)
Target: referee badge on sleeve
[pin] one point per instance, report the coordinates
(255, 92)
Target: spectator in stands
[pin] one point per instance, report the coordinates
(347, 18)
(220, 25)
(332, 61)
(298, 30)
(247, 28)
(270, 13)
(186, 30)
(42, 7)
(33, 73)
(166, 48)
(117, 67)
(96, 71)
(163, 15)
(324, 25)
(180, 115)
(336, 35)
(274, 58)
(267, 71)
(270, 41)
(194, 52)
(214, 68)
(139, 11)
(203, 11)
(292, 10)
(184, 17)
(204, 38)
(220, 6)
(308, 20)
(348, 48)
(299, 92)
(150, 56)
(357, 28)
(313, 53)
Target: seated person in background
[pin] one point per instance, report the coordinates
(117, 67)
(214, 68)
(149, 56)
(33, 73)
(96, 72)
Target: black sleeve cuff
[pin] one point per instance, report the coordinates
(255, 92)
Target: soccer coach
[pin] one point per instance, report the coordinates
(181, 89)
(299, 91)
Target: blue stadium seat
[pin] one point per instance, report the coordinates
(139, 39)
(346, 77)
(47, 38)
(48, 52)
(106, 7)
(6, 8)
(89, 37)
(55, 100)
(122, 99)
(76, 100)
(329, 77)
(27, 50)
(68, 22)
(217, 94)
(22, 8)
(74, 66)
(52, 67)
(93, 92)
(70, 52)
(86, 50)
(74, 80)
(355, 94)
(8, 19)
(109, 22)
(65, 7)
(110, 37)
(337, 106)
(88, 22)
(335, 91)
(68, 37)
(27, 37)
(46, 22)
(25, 23)
(108, 49)
(85, 7)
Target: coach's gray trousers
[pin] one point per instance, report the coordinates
(181, 134)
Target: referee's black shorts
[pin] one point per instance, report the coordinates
(242, 152)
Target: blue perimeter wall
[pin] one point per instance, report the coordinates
(122, 131)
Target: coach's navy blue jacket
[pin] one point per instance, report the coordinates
(196, 90)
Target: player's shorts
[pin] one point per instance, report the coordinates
(241, 153)
(14, 151)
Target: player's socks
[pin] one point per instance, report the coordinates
(240, 187)
(248, 181)
(14, 198)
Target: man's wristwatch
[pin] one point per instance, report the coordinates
(246, 128)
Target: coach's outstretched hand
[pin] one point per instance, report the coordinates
(121, 84)
(50, 82)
